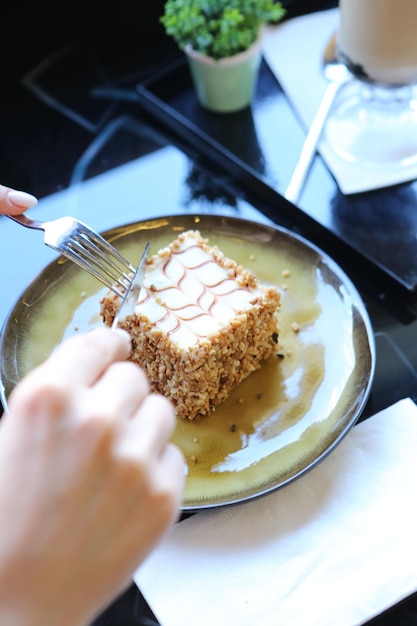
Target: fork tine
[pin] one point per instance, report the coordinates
(96, 255)
(86, 248)
(101, 269)
(79, 259)
(110, 250)
(114, 266)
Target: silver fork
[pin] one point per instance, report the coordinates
(82, 245)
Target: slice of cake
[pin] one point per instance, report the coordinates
(202, 324)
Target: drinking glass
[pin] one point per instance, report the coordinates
(374, 120)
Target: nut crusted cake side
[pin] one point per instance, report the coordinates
(202, 324)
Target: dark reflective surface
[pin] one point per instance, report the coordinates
(260, 146)
(75, 134)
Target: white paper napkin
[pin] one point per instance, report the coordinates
(335, 547)
(294, 50)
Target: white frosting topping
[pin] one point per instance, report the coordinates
(188, 295)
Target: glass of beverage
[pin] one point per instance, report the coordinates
(374, 120)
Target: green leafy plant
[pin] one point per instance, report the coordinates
(218, 28)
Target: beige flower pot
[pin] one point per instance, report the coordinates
(225, 85)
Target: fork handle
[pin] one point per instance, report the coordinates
(26, 221)
(311, 143)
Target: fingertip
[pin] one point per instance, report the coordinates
(21, 200)
(117, 333)
(123, 333)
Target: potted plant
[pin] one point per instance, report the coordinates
(222, 42)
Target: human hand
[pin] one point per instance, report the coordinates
(13, 202)
(88, 482)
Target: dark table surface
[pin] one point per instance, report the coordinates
(78, 132)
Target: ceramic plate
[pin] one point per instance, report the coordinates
(283, 419)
